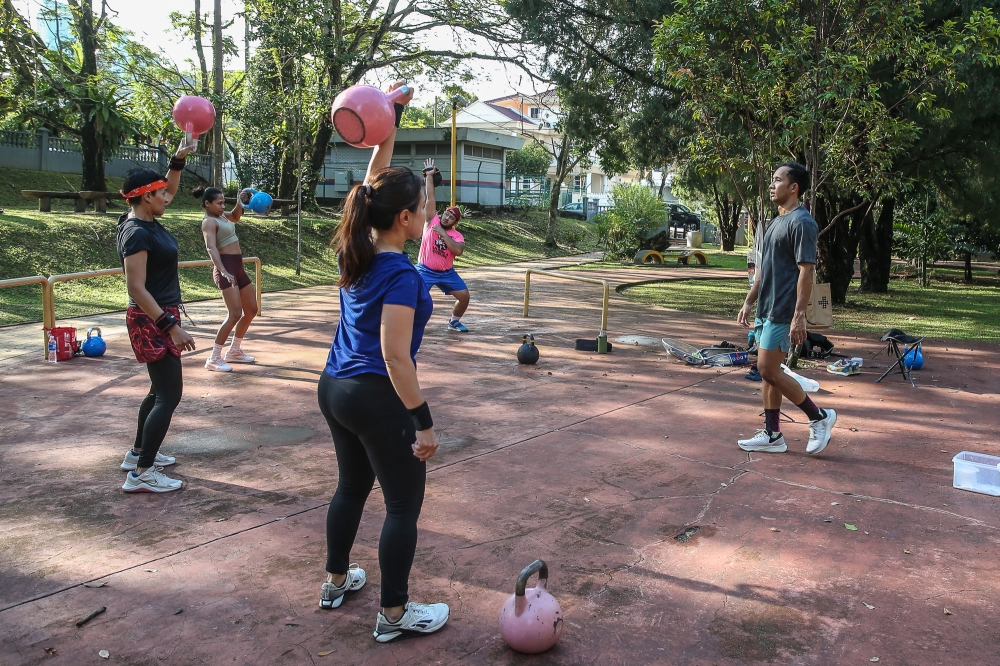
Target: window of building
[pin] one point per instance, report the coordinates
(426, 149)
(534, 112)
(402, 149)
(468, 150)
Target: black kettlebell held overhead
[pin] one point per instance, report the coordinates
(527, 353)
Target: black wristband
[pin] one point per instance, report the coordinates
(177, 163)
(399, 112)
(422, 417)
(166, 321)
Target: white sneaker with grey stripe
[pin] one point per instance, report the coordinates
(417, 619)
(331, 596)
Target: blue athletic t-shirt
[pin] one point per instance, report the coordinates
(357, 347)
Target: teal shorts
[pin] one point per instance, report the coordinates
(771, 336)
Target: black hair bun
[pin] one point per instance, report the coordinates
(198, 192)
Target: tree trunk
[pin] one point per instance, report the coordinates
(90, 137)
(199, 48)
(562, 168)
(218, 151)
(968, 268)
(729, 226)
(838, 247)
(875, 250)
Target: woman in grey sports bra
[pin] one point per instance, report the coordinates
(219, 230)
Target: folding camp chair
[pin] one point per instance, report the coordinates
(900, 345)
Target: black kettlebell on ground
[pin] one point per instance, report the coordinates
(527, 353)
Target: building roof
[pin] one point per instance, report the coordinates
(510, 113)
(541, 95)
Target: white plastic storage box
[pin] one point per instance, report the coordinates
(977, 472)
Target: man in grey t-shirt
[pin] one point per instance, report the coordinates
(781, 290)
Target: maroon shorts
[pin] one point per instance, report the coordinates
(148, 343)
(234, 266)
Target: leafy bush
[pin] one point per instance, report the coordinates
(636, 213)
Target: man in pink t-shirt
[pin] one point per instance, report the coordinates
(440, 244)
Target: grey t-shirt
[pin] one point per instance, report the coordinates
(789, 240)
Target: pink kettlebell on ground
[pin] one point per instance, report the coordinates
(364, 116)
(531, 620)
(194, 115)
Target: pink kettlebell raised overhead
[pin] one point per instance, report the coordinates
(531, 621)
(194, 115)
(364, 116)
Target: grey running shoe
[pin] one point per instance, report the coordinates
(763, 442)
(331, 596)
(132, 461)
(417, 619)
(820, 431)
(151, 481)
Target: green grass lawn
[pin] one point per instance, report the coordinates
(33, 243)
(947, 310)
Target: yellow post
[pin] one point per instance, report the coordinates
(259, 287)
(527, 291)
(454, 147)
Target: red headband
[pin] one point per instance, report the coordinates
(139, 191)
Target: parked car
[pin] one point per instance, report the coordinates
(681, 217)
(574, 210)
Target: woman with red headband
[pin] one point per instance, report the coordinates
(148, 253)
(439, 245)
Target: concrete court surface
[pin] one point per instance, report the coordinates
(665, 543)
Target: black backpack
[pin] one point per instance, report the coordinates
(816, 346)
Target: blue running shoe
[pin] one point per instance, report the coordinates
(754, 374)
(457, 326)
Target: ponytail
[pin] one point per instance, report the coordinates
(373, 205)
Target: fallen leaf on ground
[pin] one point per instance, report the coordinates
(150, 570)
(96, 584)
(834, 503)
(906, 551)
(873, 659)
(775, 529)
(104, 654)
(828, 520)
(947, 612)
(853, 528)
(178, 611)
(868, 605)
(50, 650)
(325, 653)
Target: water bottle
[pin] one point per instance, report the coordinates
(53, 356)
(750, 338)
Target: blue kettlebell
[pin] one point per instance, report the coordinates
(914, 359)
(94, 345)
(260, 203)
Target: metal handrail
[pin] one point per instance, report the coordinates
(49, 306)
(47, 298)
(564, 276)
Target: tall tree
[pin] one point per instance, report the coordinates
(827, 84)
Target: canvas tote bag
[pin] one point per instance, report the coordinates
(819, 311)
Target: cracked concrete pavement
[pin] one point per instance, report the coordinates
(603, 466)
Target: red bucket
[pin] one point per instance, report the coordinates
(66, 344)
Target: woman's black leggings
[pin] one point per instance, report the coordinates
(373, 433)
(158, 406)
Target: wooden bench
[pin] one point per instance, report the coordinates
(80, 199)
(284, 204)
(45, 199)
(100, 199)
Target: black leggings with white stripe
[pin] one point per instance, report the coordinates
(373, 433)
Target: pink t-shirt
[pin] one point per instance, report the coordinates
(434, 254)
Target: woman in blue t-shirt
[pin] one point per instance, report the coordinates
(370, 396)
